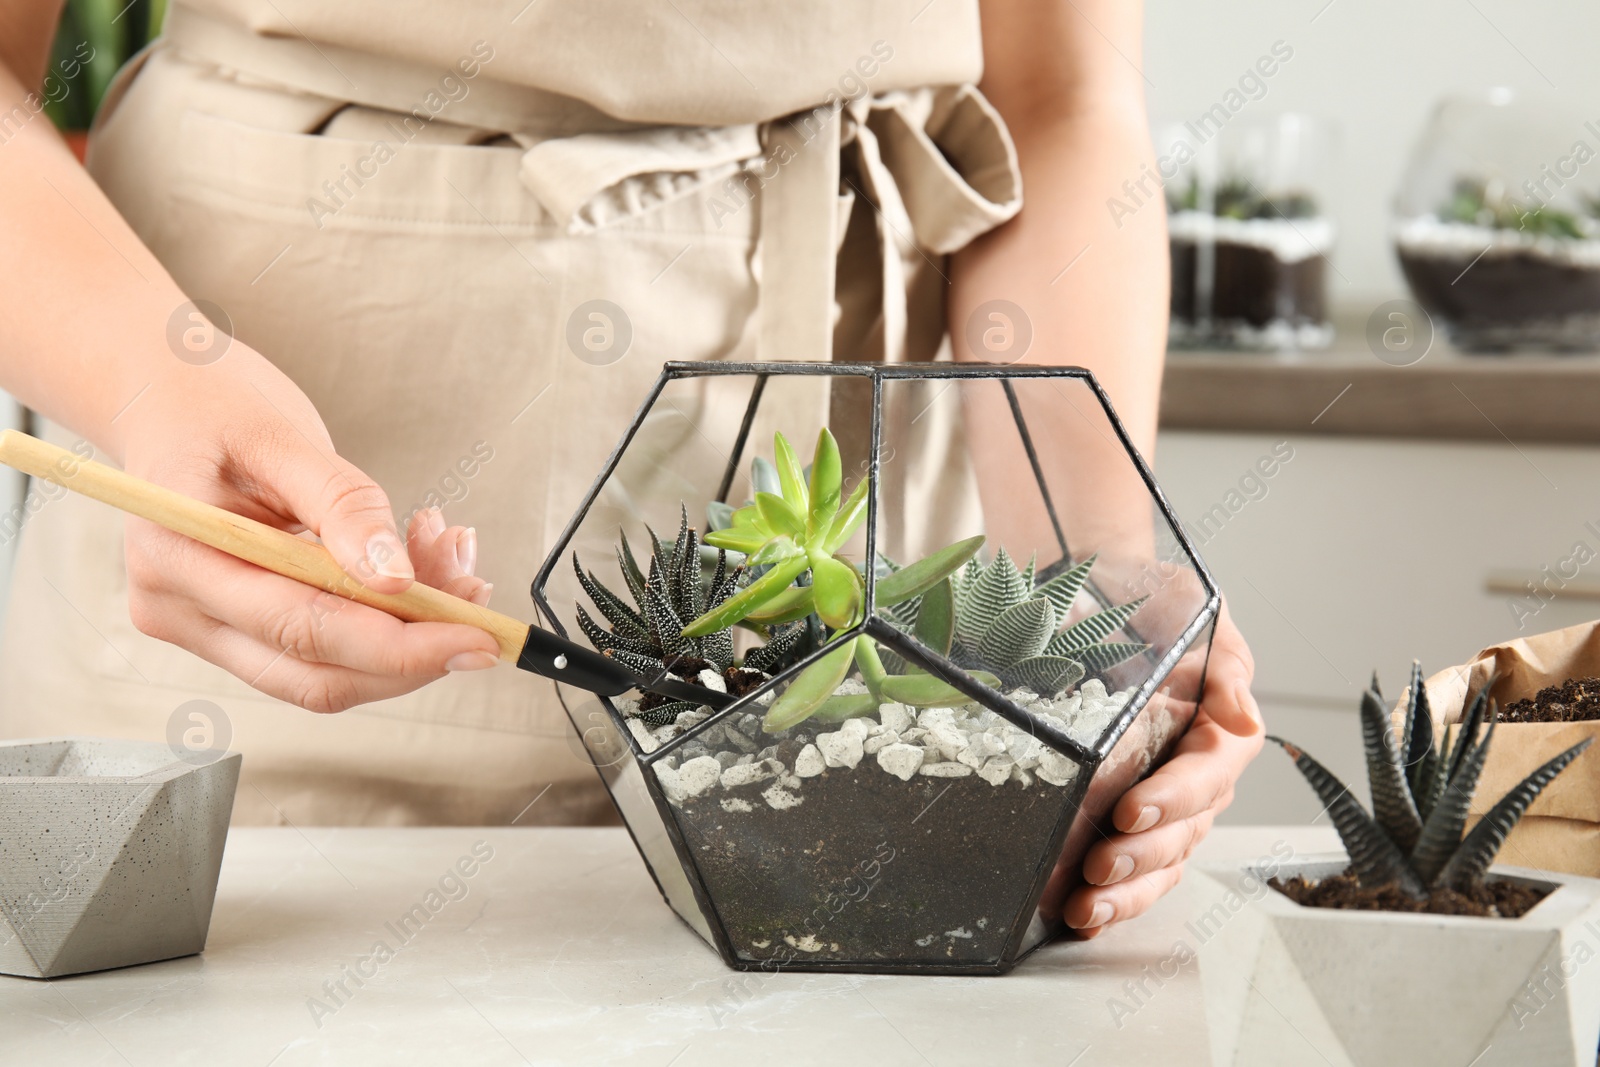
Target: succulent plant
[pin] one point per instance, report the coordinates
(647, 635)
(1420, 794)
(1481, 202)
(790, 533)
(1008, 623)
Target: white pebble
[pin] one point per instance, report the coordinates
(877, 742)
(671, 784)
(945, 770)
(842, 748)
(997, 771)
(641, 733)
(950, 739)
(1056, 768)
(698, 775)
(897, 717)
(900, 760)
(809, 763)
(737, 804)
(744, 774)
(712, 680)
(931, 717)
(779, 798)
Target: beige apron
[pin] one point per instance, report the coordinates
(404, 208)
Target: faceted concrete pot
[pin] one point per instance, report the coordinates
(854, 866)
(109, 852)
(1291, 984)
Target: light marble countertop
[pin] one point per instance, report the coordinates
(559, 950)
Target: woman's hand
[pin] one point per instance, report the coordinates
(1164, 817)
(240, 435)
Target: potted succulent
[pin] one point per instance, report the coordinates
(913, 741)
(1409, 948)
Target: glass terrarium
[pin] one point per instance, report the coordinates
(1498, 223)
(956, 620)
(1250, 231)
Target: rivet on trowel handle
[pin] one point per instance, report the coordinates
(560, 662)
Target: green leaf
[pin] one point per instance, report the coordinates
(917, 578)
(790, 477)
(836, 592)
(777, 550)
(827, 481)
(751, 597)
(1094, 629)
(778, 516)
(738, 539)
(1046, 675)
(926, 691)
(985, 595)
(1104, 656)
(764, 477)
(851, 516)
(936, 618)
(846, 706)
(807, 692)
(872, 671)
(791, 604)
(1020, 633)
(1063, 589)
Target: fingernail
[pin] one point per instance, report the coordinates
(470, 661)
(467, 549)
(1121, 867)
(481, 597)
(1099, 917)
(1247, 702)
(435, 521)
(388, 556)
(1148, 816)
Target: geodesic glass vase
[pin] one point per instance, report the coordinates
(955, 616)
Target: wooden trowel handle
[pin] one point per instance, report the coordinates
(255, 542)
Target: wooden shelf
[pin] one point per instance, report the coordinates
(1343, 391)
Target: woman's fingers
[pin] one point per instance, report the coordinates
(446, 557)
(320, 687)
(1229, 671)
(1090, 909)
(1125, 856)
(1199, 777)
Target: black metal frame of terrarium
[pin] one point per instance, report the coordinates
(640, 799)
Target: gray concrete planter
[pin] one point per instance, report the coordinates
(109, 852)
(1290, 984)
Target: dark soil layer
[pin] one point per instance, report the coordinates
(1496, 898)
(1520, 288)
(869, 867)
(1574, 700)
(1250, 285)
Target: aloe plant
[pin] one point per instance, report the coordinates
(647, 635)
(1413, 838)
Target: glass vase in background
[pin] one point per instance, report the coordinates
(1497, 223)
(1250, 230)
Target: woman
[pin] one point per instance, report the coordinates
(436, 236)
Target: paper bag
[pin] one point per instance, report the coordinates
(1561, 830)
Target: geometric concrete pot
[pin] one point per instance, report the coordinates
(109, 852)
(1373, 988)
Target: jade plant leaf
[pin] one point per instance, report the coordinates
(936, 617)
(845, 706)
(764, 478)
(752, 596)
(778, 517)
(810, 689)
(836, 592)
(827, 482)
(851, 515)
(791, 478)
(926, 691)
(787, 606)
(917, 578)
